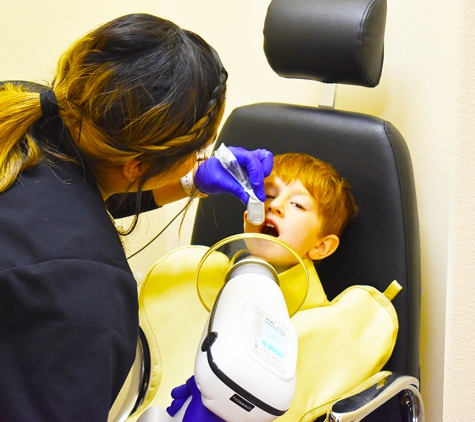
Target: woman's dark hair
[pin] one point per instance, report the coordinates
(138, 87)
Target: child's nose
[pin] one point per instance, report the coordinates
(275, 206)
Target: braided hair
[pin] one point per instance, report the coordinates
(141, 87)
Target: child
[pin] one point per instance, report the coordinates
(308, 205)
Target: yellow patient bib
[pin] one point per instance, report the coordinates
(341, 343)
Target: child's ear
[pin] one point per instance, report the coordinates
(325, 247)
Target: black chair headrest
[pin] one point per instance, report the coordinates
(332, 41)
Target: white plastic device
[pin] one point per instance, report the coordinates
(246, 365)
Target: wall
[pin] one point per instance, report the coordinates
(34, 33)
(460, 341)
(426, 91)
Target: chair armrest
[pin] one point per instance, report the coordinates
(382, 387)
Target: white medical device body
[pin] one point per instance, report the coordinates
(246, 364)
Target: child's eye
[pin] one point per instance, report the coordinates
(269, 196)
(299, 206)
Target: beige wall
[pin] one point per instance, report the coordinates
(427, 91)
(460, 339)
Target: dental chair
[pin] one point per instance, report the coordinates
(341, 42)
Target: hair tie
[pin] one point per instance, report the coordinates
(49, 103)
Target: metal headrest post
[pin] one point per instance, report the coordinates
(327, 95)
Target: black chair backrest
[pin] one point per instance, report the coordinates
(382, 243)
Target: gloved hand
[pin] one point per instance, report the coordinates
(212, 178)
(180, 396)
(196, 411)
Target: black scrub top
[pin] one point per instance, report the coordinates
(68, 300)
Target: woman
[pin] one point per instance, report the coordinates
(131, 105)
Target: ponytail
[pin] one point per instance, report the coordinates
(19, 110)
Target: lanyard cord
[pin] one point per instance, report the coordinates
(156, 237)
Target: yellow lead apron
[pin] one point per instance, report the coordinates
(341, 343)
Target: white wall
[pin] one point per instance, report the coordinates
(33, 33)
(427, 91)
(460, 340)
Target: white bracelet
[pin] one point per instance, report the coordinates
(187, 183)
(188, 186)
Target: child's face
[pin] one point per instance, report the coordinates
(291, 215)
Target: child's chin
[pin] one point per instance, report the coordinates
(281, 261)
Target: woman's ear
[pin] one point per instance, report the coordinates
(132, 170)
(325, 247)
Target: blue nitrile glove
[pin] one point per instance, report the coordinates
(211, 178)
(180, 396)
(196, 411)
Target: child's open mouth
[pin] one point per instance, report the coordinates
(269, 229)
